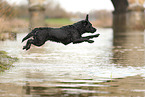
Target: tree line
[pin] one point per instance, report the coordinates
(54, 10)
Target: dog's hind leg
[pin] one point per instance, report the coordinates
(34, 42)
(28, 45)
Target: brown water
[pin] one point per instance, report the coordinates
(112, 66)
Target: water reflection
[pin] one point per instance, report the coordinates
(109, 67)
(129, 49)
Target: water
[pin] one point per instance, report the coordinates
(111, 66)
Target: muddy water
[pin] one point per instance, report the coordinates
(112, 66)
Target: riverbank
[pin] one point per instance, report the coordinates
(6, 61)
(14, 25)
(58, 22)
(11, 25)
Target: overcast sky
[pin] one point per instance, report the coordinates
(78, 5)
(86, 5)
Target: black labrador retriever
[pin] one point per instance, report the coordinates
(66, 34)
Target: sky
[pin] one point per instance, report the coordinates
(86, 5)
(78, 5)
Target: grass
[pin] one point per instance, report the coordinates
(57, 22)
(6, 61)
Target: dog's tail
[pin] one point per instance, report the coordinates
(32, 33)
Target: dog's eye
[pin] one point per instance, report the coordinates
(90, 26)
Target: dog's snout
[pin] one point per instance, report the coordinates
(94, 29)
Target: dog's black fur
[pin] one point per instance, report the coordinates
(66, 34)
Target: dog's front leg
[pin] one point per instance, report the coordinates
(80, 40)
(92, 36)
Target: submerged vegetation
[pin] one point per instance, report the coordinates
(6, 61)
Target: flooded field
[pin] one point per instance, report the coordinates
(114, 65)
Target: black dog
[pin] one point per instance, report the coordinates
(66, 34)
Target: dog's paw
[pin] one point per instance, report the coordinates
(90, 41)
(24, 47)
(97, 35)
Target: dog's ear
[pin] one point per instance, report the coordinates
(87, 17)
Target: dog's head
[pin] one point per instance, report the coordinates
(88, 26)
